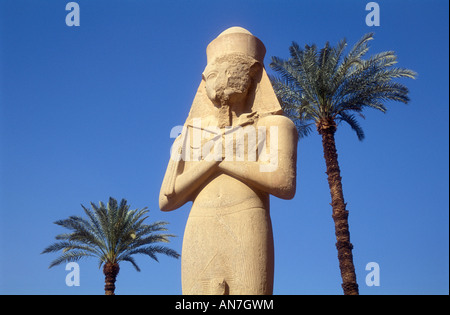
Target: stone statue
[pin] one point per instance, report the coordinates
(236, 148)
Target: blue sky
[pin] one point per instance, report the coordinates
(85, 114)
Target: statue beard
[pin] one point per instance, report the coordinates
(224, 101)
(224, 98)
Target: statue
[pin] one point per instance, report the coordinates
(235, 150)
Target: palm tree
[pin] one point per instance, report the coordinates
(112, 233)
(325, 87)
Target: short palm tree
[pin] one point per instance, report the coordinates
(112, 233)
(325, 87)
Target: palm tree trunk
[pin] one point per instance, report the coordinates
(110, 270)
(340, 215)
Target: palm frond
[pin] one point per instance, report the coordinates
(151, 251)
(361, 47)
(321, 85)
(72, 256)
(112, 233)
(353, 123)
(130, 259)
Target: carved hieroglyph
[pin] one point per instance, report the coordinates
(235, 150)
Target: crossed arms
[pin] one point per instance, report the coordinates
(184, 178)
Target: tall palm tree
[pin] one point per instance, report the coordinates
(325, 87)
(112, 233)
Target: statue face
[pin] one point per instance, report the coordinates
(227, 82)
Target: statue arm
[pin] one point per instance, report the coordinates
(279, 181)
(181, 180)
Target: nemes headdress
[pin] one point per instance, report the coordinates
(237, 40)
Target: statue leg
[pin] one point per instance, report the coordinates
(228, 254)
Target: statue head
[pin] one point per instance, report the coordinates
(234, 74)
(229, 78)
(234, 58)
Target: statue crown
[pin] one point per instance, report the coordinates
(236, 40)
